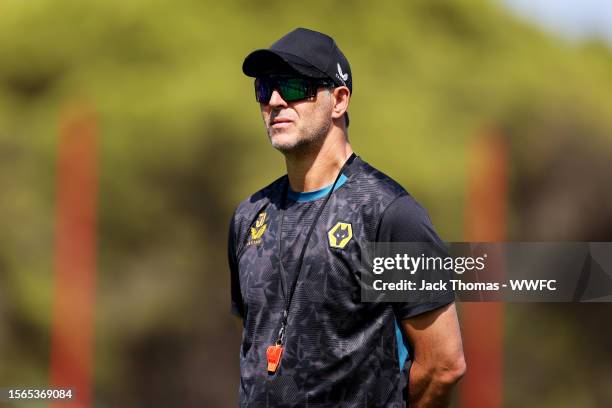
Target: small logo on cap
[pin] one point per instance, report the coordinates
(340, 74)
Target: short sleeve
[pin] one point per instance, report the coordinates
(404, 220)
(237, 304)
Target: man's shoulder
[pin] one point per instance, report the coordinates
(401, 217)
(381, 186)
(251, 205)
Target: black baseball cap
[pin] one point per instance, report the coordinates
(305, 52)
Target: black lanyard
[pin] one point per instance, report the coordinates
(289, 296)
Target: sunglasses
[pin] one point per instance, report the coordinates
(290, 88)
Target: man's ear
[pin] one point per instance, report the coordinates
(341, 97)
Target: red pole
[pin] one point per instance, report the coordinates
(482, 323)
(71, 357)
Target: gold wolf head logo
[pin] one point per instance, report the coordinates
(340, 235)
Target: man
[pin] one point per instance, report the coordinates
(295, 254)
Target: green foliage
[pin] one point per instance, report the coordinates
(181, 143)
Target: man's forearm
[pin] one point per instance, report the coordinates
(430, 388)
(438, 356)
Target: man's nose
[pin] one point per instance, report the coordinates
(276, 99)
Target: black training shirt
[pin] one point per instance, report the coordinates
(339, 351)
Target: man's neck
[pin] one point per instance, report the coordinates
(317, 168)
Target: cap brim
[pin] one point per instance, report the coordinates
(266, 62)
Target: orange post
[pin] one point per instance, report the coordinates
(482, 323)
(71, 357)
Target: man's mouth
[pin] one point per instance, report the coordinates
(281, 122)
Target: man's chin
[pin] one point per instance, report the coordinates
(292, 143)
(284, 142)
(285, 147)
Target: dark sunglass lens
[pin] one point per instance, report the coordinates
(263, 90)
(293, 89)
(290, 89)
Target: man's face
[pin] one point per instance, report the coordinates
(292, 126)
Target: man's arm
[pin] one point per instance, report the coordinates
(434, 335)
(237, 304)
(438, 362)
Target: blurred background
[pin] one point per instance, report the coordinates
(174, 142)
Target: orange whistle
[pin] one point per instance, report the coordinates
(274, 355)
